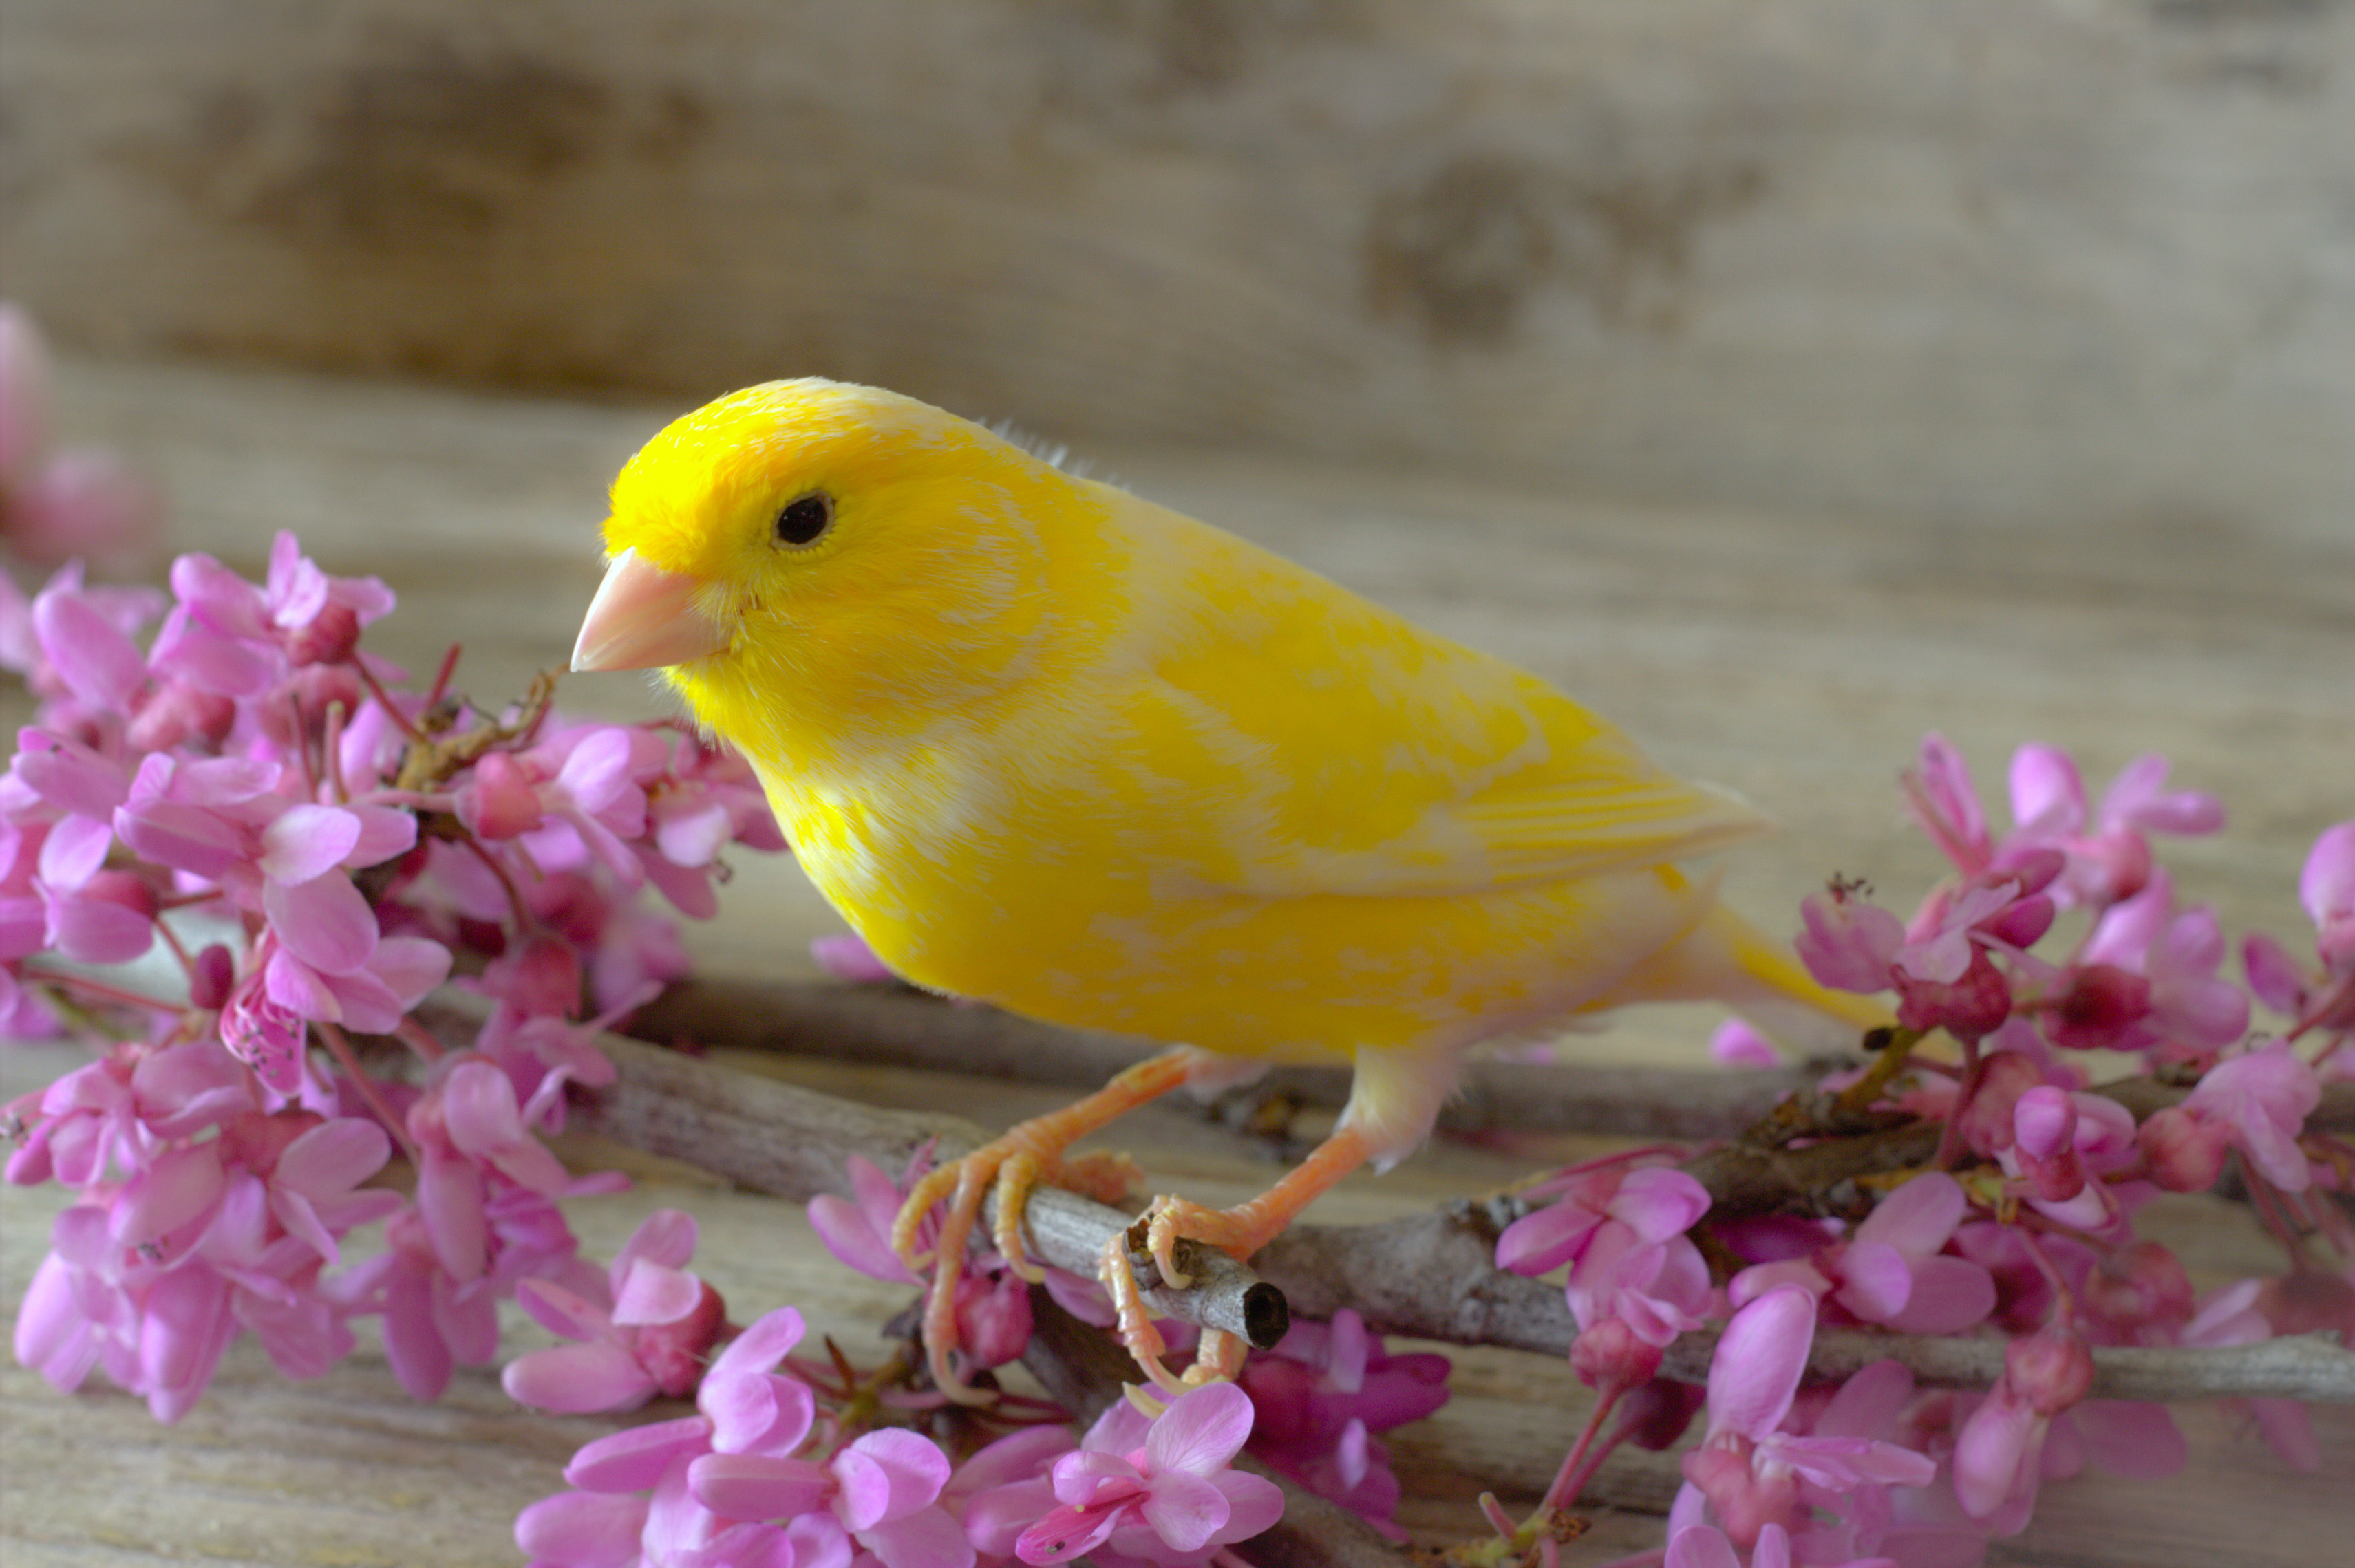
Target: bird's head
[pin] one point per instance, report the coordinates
(812, 553)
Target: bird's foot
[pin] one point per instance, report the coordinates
(1216, 1359)
(1018, 1163)
(1238, 1231)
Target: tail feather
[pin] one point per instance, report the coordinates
(1728, 959)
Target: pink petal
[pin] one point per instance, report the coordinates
(325, 921)
(578, 1379)
(1990, 1451)
(651, 1293)
(1867, 1404)
(53, 1333)
(333, 1157)
(633, 1460)
(849, 958)
(305, 841)
(1702, 1546)
(190, 649)
(563, 1311)
(450, 1196)
(385, 832)
(910, 1470)
(1544, 1240)
(583, 1529)
(927, 1538)
(2327, 884)
(2046, 793)
(2126, 1438)
(751, 1486)
(1757, 1365)
(665, 1236)
(478, 1106)
(1950, 1294)
(1184, 1509)
(1199, 1432)
(68, 775)
(186, 1327)
(94, 931)
(1657, 1203)
(101, 666)
(74, 851)
(1253, 1503)
(183, 1183)
(1064, 1534)
(846, 1233)
(185, 838)
(1918, 1217)
(1736, 1044)
(756, 1413)
(769, 1340)
(1875, 1281)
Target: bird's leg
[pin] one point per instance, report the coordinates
(1247, 1227)
(1029, 1154)
(1240, 1231)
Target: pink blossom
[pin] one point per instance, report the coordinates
(1998, 1451)
(2111, 861)
(1747, 1473)
(1318, 1398)
(1892, 1269)
(78, 503)
(1622, 1232)
(2177, 954)
(1701, 1546)
(2261, 1099)
(646, 1335)
(1170, 1492)
(1006, 1488)
(847, 957)
(993, 1302)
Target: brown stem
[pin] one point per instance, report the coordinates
(1430, 1275)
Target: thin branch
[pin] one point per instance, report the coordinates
(1430, 1275)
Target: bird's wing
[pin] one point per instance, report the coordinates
(1318, 744)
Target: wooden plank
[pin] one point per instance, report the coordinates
(2047, 265)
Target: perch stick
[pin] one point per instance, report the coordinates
(1430, 1275)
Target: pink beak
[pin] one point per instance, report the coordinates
(643, 618)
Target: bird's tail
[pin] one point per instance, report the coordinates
(1726, 959)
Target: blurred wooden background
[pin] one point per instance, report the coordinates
(2075, 264)
(1782, 376)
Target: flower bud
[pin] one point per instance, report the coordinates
(994, 1320)
(2142, 1292)
(2044, 1124)
(1610, 1354)
(1973, 1007)
(2051, 1369)
(1986, 1121)
(215, 974)
(2181, 1152)
(498, 801)
(541, 976)
(673, 1354)
(125, 888)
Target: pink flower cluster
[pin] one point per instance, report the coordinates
(305, 848)
(2024, 1222)
(760, 1479)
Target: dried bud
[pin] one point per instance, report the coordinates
(2181, 1152)
(2051, 1369)
(215, 974)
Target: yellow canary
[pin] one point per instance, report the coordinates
(1046, 744)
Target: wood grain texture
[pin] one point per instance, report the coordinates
(2040, 264)
(1794, 655)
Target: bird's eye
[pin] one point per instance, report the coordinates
(805, 518)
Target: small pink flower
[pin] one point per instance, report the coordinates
(1748, 1474)
(1173, 1492)
(2261, 1098)
(1892, 1269)
(646, 1336)
(1999, 1449)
